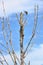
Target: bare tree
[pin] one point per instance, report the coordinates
(11, 52)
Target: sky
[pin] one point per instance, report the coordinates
(16, 6)
(20, 5)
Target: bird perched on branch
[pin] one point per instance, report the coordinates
(26, 12)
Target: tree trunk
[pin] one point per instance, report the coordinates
(21, 39)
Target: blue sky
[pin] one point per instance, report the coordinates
(16, 6)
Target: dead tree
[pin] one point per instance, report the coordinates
(21, 22)
(12, 53)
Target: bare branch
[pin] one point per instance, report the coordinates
(3, 7)
(17, 17)
(29, 63)
(7, 51)
(1, 61)
(7, 20)
(34, 28)
(21, 38)
(3, 57)
(8, 28)
(29, 49)
(8, 37)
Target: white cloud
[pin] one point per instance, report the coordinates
(37, 55)
(19, 5)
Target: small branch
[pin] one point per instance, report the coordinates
(3, 8)
(29, 63)
(17, 17)
(1, 63)
(30, 47)
(34, 28)
(4, 58)
(7, 51)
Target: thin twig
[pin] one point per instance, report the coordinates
(4, 58)
(34, 28)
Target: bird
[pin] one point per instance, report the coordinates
(26, 12)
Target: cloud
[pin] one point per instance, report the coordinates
(19, 5)
(37, 55)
